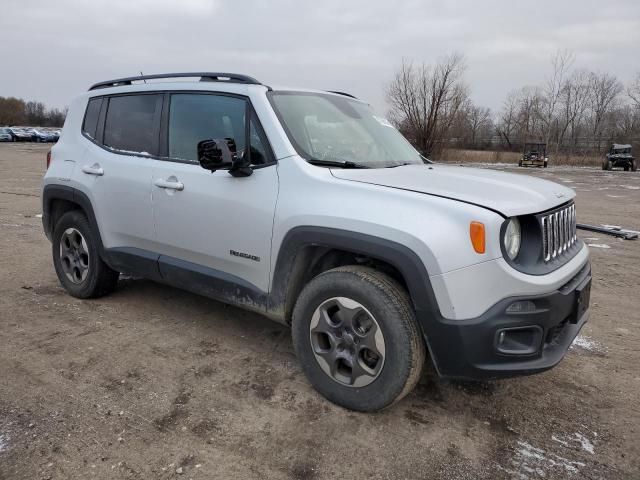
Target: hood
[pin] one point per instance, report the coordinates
(506, 193)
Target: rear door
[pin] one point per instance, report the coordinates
(117, 166)
(213, 225)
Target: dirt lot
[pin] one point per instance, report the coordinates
(152, 382)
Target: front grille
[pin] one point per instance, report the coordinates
(558, 231)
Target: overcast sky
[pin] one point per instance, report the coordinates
(54, 49)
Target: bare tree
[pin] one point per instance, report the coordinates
(478, 121)
(634, 91)
(605, 90)
(508, 118)
(15, 111)
(426, 99)
(529, 108)
(561, 63)
(573, 102)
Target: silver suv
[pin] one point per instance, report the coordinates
(308, 208)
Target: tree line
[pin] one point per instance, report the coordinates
(15, 111)
(576, 111)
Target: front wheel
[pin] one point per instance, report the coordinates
(76, 259)
(356, 336)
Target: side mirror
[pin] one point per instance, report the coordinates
(217, 154)
(222, 154)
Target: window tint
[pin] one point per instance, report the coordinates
(129, 125)
(197, 117)
(91, 117)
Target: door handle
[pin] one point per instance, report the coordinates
(94, 169)
(170, 185)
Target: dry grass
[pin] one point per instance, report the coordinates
(489, 156)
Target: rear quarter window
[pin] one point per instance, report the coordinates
(90, 124)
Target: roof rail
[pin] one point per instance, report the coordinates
(342, 93)
(204, 77)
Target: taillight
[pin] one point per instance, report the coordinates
(48, 158)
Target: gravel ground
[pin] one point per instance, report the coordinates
(152, 382)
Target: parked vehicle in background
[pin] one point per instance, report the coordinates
(43, 136)
(620, 156)
(5, 135)
(534, 155)
(305, 206)
(18, 134)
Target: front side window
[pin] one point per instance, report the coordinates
(337, 128)
(197, 117)
(130, 123)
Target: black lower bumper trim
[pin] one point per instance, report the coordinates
(468, 349)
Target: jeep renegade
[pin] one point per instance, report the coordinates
(308, 208)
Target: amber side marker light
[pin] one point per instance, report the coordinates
(476, 232)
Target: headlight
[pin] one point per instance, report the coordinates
(512, 238)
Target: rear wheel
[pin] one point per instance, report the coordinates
(76, 259)
(356, 336)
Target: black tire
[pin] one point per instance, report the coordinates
(390, 306)
(626, 168)
(634, 166)
(609, 165)
(100, 279)
(520, 163)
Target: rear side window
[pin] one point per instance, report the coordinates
(131, 123)
(90, 124)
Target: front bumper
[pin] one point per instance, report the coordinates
(473, 349)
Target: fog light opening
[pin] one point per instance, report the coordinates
(519, 340)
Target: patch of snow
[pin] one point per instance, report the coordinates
(39, 215)
(630, 187)
(592, 238)
(598, 245)
(587, 344)
(562, 442)
(576, 438)
(615, 196)
(584, 443)
(4, 443)
(530, 460)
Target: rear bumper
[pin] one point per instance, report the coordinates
(473, 349)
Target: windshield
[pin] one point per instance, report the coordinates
(336, 128)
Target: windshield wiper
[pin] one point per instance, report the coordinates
(336, 163)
